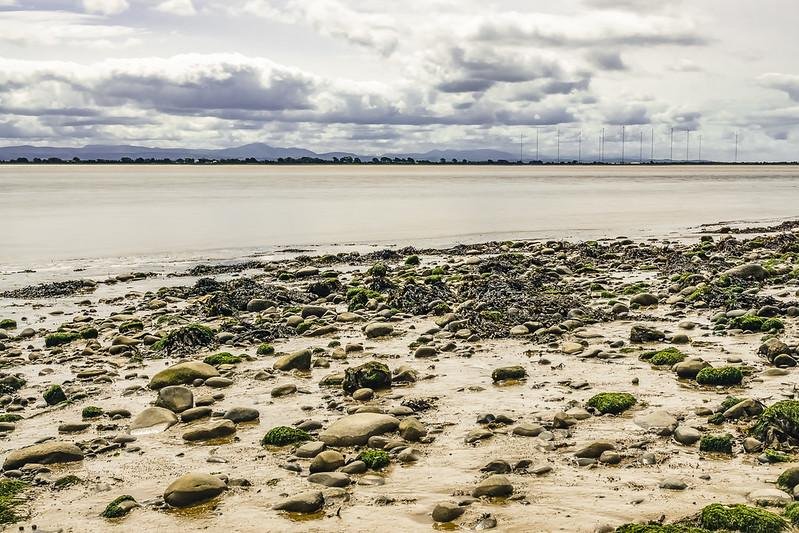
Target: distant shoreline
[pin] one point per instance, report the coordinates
(305, 161)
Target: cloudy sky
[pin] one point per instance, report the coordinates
(382, 76)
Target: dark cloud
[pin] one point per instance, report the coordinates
(607, 60)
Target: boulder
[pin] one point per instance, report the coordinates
(193, 488)
(355, 430)
(300, 360)
(182, 373)
(46, 453)
(305, 502)
(176, 398)
(217, 430)
(153, 420)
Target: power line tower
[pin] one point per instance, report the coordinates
(687, 143)
(580, 147)
(521, 148)
(700, 148)
(736, 146)
(622, 145)
(671, 148)
(537, 131)
(558, 134)
(641, 148)
(652, 145)
(602, 147)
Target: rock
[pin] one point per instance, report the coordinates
(423, 352)
(784, 361)
(216, 430)
(517, 331)
(326, 461)
(195, 413)
(609, 457)
(493, 486)
(306, 502)
(572, 348)
(153, 420)
(447, 512)
(640, 333)
(176, 398)
(689, 368)
(363, 395)
(257, 304)
(746, 407)
(182, 374)
(300, 360)
(218, 382)
(411, 429)
(747, 271)
(769, 497)
(752, 445)
(193, 488)
(528, 430)
(46, 453)
(687, 435)
(659, 422)
(378, 329)
(313, 310)
(355, 467)
(355, 430)
(478, 434)
(644, 299)
(310, 450)
(330, 479)
(242, 414)
(283, 390)
(772, 348)
(508, 372)
(594, 450)
(372, 375)
(672, 483)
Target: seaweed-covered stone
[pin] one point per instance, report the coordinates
(91, 411)
(726, 376)
(612, 402)
(666, 357)
(265, 349)
(283, 436)
(751, 271)
(741, 518)
(659, 528)
(756, 323)
(374, 459)
(54, 395)
(60, 338)
(720, 443)
(508, 372)
(222, 358)
(192, 489)
(372, 375)
(185, 339)
(46, 453)
(779, 421)
(8, 323)
(182, 373)
(789, 478)
(640, 333)
(10, 501)
(119, 507)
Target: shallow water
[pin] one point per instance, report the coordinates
(126, 217)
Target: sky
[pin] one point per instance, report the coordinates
(388, 76)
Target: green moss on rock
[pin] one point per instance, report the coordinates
(374, 459)
(115, 510)
(658, 528)
(54, 395)
(741, 518)
(10, 417)
(373, 375)
(89, 333)
(788, 479)
(719, 443)
(612, 402)
(60, 338)
(8, 323)
(756, 323)
(131, 326)
(265, 349)
(725, 376)
(66, 481)
(666, 357)
(778, 421)
(283, 436)
(792, 513)
(92, 411)
(776, 456)
(10, 489)
(222, 358)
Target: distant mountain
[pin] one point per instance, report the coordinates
(260, 151)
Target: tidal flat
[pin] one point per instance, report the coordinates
(529, 385)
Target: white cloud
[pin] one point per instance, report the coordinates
(177, 7)
(788, 83)
(55, 28)
(105, 7)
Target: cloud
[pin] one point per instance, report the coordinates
(788, 83)
(57, 28)
(607, 60)
(177, 7)
(105, 7)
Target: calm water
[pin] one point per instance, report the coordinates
(121, 216)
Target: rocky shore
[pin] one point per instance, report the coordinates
(596, 386)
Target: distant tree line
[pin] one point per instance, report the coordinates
(347, 160)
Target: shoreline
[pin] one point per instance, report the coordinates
(493, 352)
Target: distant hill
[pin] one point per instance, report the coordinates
(259, 151)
